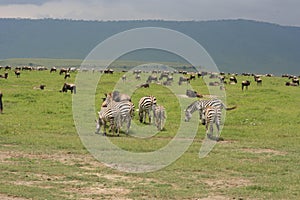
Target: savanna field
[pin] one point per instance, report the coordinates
(42, 156)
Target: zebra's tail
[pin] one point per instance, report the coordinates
(231, 108)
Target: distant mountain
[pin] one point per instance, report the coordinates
(235, 45)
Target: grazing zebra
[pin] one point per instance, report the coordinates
(199, 105)
(211, 115)
(159, 117)
(124, 108)
(146, 105)
(110, 115)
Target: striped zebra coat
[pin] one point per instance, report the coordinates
(211, 116)
(116, 113)
(159, 117)
(199, 105)
(146, 105)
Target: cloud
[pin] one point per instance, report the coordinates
(275, 11)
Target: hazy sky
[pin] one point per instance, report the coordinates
(283, 12)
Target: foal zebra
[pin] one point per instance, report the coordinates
(211, 115)
(108, 115)
(146, 105)
(202, 104)
(159, 117)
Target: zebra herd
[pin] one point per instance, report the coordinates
(118, 109)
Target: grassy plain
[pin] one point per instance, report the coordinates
(42, 157)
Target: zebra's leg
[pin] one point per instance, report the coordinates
(149, 115)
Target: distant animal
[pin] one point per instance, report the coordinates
(63, 70)
(42, 87)
(108, 71)
(1, 103)
(145, 85)
(146, 105)
(5, 75)
(191, 93)
(115, 96)
(67, 75)
(137, 77)
(159, 117)
(183, 79)
(7, 67)
(291, 84)
(151, 78)
(17, 73)
(192, 77)
(211, 116)
(295, 80)
(232, 80)
(124, 78)
(53, 69)
(245, 84)
(69, 86)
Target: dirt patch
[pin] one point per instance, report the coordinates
(229, 183)
(8, 197)
(267, 151)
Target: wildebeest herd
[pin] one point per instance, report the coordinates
(117, 109)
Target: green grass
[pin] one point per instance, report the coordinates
(42, 156)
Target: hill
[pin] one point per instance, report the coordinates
(235, 45)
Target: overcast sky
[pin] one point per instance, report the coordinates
(283, 12)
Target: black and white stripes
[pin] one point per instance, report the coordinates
(146, 105)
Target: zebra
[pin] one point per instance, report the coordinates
(124, 108)
(111, 115)
(201, 104)
(159, 117)
(146, 105)
(211, 115)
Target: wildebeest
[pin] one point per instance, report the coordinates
(124, 78)
(151, 78)
(67, 75)
(183, 79)
(245, 84)
(7, 67)
(1, 103)
(191, 93)
(5, 75)
(291, 84)
(145, 85)
(69, 86)
(115, 96)
(295, 80)
(53, 69)
(17, 73)
(137, 77)
(232, 80)
(63, 70)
